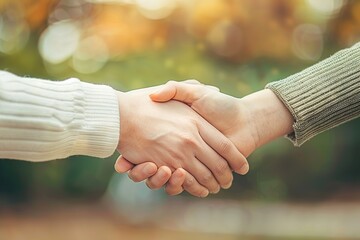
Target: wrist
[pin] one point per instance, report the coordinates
(269, 117)
(123, 113)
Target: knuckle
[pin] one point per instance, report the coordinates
(194, 188)
(193, 122)
(171, 83)
(175, 160)
(189, 181)
(189, 141)
(207, 178)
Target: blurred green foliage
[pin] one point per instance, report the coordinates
(327, 166)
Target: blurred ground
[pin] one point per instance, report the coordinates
(209, 220)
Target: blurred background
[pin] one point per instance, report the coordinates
(312, 192)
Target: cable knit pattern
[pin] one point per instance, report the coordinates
(42, 120)
(322, 96)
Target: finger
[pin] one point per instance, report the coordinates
(177, 179)
(224, 147)
(122, 165)
(159, 179)
(193, 187)
(142, 171)
(217, 165)
(187, 93)
(203, 175)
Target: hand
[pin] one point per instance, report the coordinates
(171, 134)
(249, 122)
(219, 109)
(175, 182)
(226, 113)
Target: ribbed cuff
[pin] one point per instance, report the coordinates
(42, 120)
(322, 96)
(99, 134)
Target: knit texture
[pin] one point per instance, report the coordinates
(43, 120)
(322, 96)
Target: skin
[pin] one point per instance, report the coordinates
(249, 122)
(172, 136)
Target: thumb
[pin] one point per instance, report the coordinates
(166, 93)
(184, 92)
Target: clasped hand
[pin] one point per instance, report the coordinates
(191, 144)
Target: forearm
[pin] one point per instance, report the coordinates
(43, 120)
(269, 116)
(322, 96)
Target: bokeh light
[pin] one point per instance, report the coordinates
(327, 8)
(59, 41)
(156, 9)
(225, 39)
(91, 55)
(308, 42)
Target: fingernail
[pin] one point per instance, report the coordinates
(244, 169)
(227, 186)
(118, 168)
(161, 172)
(204, 194)
(152, 95)
(216, 191)
(148, 169)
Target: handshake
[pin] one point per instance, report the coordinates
(189, 136)
(182, 135)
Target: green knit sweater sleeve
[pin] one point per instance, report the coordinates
(322, 96)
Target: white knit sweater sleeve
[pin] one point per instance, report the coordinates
(42, 120)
